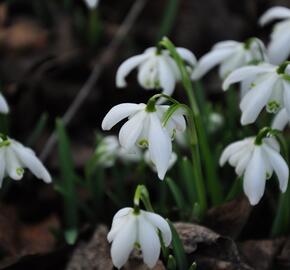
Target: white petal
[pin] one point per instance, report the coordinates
(118, 113)
(126, 67)
(162, 225)
(160, 147)
(227, 44)
(124, 242)
(209, 60)
(255, 177)
(244, 73)
(187, 56)
(274, 14)
(281, 120)
(243, 162)
(149, 242)
(166, 77)
(147, 73)
(13, 166)
(286, 96)
(3, 105)
(254, 101)
(279, 48)
(28, 158)
(131, 130)
(279, 165)
(2, 165)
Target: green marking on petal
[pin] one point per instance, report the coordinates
(143, 143)
(20, 171)
(273, 106)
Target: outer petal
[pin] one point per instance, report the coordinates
(255, 177)
(166, 77)
(243, 162)
(124, 242)
(28, 158)
(160, 147)
(281, 120)
(13, 165)
(244, 73)
(131, 130)
(118, 113)
(127, 66)
(3, 105)
(210, 60)
(279, 165)
(187, 56)
(2, 165)
(279, 48)
(254, 101)
(162, 225)
(274, 14)
(149, 242)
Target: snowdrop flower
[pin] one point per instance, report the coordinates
(131, 228)
(3, 105)
(156, 69)
(281, 120)
(215, 121)
(145, 129)
(91, 4)
(256, 163)
(270, 89)
(147, 159)
(14, 157)
(230, 55)
(279, 48)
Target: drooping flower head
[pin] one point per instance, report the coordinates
(14, 157)
(131, 228)
(156, 69)
(230, 55)
(256, 160)
(145, 129)
(270, 88)
(92, 4)
(3, 105)
(278, 49)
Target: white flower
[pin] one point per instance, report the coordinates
(155, 69)
(270, 88)
(14, 157)
(279, 48)
(215, 121)
(144, 129)
(147, 159)
(130, 228)
(256, 163)
(3, 105)
(230, 55)
(91, 4)
(281, 120)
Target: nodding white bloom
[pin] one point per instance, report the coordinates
(278, 49)
(3, 105)
(137, 229)
(145, 129)
(230, 55)
(147, 159)
(14, 157)
(156, 69)
(281, 120)
(91, 4)
(256, 162)
(215, 121)
(270, 88)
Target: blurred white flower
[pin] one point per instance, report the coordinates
(156, 69)
(270, 88)
(230, 55)
(279, 48)
(215, 121)
(145, 129)
(14, 157)
(91, 4)
(3, 105)
(140, 229)
(281, 120)
(256, 162)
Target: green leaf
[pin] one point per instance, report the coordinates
(171, 263)
(178, 248)
(36, 132)
(176, 192)
(71, 236)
